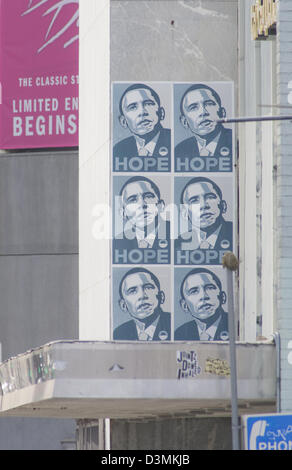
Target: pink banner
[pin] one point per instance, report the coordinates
(39, 73)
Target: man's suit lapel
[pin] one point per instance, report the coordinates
(161, 142)
(224, 142)
(195, 333)
(133, 151)
(133, 330)
(194, 148)
(225, 233)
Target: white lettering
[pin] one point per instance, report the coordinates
(166, 460)
(275, 445)
(17, 126)
(149, 459)
(60, 125)
(74, 79)
(112, 460)
(25, 82)
(141, 164)
(183, 164)
(27, 106)
(282, 445)
(44, 125)
(199, 256)
(28, 125)
(67, 104)
(272, 445)
(71, 104)
(170, 459)
(144, 256)
(40, 125)
(35, 105)
(72, 129)
(57, 80)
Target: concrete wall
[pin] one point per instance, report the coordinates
(38, 271)
(284, 199)
(182, 34)
(265, 179)
(256, 181)
(160, 433)
(94, 164)
(184, 433)
(247, 185)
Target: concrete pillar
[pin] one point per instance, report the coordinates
(247, 165)
(94, 171)
(284, 202)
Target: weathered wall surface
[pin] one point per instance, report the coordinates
(183, 433)
(38, 271)
(284, 209)
(172, 40)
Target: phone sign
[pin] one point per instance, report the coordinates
(268, 432)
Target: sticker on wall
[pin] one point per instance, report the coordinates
(217, 366)
(205, 227)
(141, 127)
(199, 301)
(141, 304)
(202, 144)
(188, 364)
(141, 231)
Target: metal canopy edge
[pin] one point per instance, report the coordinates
(94, 379)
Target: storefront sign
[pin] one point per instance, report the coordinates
(39, 73)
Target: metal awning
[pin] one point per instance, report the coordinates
(93, 379)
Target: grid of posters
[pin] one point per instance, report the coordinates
(173, 210)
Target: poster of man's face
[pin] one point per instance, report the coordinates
(141, 127)
(201, 143)
(205, 221)
(200, 304)
(141, 231)
(141, 304)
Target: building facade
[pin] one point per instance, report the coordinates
(116, 44)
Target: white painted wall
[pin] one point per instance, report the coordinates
(267, 190)
(94, 174)
(257, 143)
(274, 150)
(284, 202)
(247, 134)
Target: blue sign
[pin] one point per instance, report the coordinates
(268, 432)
